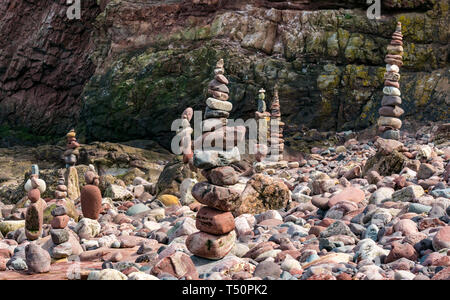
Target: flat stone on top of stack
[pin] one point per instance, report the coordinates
(390, 111)
(214, 152)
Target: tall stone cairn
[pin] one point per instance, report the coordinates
(34, 215)
(185, 131)
(390, 111)
(262, 117)
(276, 140)
(214, 151)
(70, 158)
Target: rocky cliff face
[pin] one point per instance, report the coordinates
(129, 68)
(44, 66)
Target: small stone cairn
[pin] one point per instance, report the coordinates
(70, 158)
(34, 215)
(214, 151)
(61, 247)
(71, 154)
(185, 132)
(262, 117)
(390, 111)
(61, 188)
(276, 140)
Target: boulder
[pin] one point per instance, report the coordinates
(178, 265)
(263, 193)
(211, 246)
(385, 164)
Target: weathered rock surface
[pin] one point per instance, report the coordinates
(262, 193)
(268, 41)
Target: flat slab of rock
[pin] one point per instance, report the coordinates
(348, 194)
(58, 271)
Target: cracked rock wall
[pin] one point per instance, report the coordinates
(141, 63)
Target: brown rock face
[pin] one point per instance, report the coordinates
(44, 70)
(262, 193)
(91, 201)
(214, 221)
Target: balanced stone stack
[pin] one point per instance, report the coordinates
(70, 158)
(390, 111)
(185, 133)
(214, 151)
(276, 130)
(71, 154)
(60, 217)
(61, 247)
(61, 188)
(34, 181)
(34, 215)
(91, 196)
(262, 117)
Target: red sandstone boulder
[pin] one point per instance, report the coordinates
(214, 221)
(177, 264)
(348, 194)
(401, 250)
(210, 246)
(221, 198)
(91, 201)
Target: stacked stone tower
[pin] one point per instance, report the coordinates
(390, 111)
(262, 117)
(34, 215)
(214, 151)
(70, 158)
(71, 154)
(185, 132)
(276, 141)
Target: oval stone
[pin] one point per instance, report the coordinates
(391, 91)
(91, 201)
(391, 100)
(214, 221)
(34, 219)
(210, 246)
(390, 122)
(221, 198)
(392, 68)
(391, 111)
